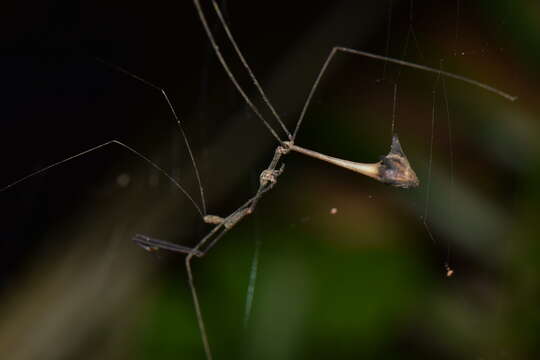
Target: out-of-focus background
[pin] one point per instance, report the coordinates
(365, 282)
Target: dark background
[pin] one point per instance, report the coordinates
(367, 282)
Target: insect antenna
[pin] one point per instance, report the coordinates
(177, 120)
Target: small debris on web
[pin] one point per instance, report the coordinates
(449, 271)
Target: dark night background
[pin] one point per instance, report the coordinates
(367, 282)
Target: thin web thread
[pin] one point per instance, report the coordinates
(451, 151)
(430, 164)
(450, 135)
(456, 35)
(394, 108)
(388, 37)
(410, 33)
(250, 294)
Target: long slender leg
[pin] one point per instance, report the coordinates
(176, 118)
(197, 305)
(111, 142)
(153, 244)
(248, 68)
(392, 60)
(229, 72)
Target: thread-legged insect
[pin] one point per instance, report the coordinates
(393, 169)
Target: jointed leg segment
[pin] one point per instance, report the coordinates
(268, 179)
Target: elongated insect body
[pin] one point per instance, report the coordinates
(393, 169)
